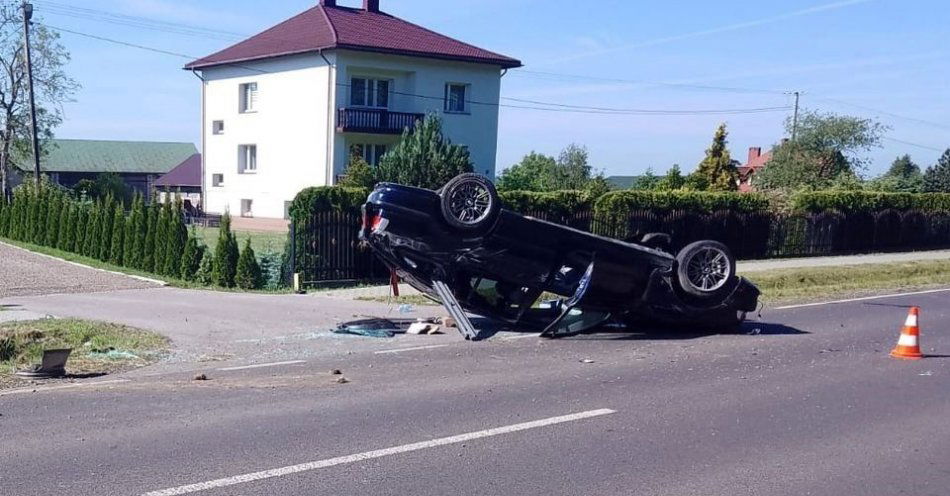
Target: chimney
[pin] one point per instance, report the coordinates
(371, 5)
(754, 153)
(328, 3)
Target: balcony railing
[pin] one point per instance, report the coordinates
(375, 121)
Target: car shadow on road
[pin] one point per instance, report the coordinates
(659, 332)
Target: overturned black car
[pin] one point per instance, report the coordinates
(459, 246)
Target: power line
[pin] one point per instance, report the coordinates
(651, 83)
(925, 147)
(136, 21)
(884, 112)
(545, 106)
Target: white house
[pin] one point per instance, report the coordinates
(283, 110)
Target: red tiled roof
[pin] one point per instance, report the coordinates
(187, 173)
(331, 27)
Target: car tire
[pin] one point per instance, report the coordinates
(704, 269)
(469, 202)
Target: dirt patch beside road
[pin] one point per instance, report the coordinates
(24, 273)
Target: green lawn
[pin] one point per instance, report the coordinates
(98, 347)
(262, 242)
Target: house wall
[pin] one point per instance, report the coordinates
(419, 86)
(289, 127)
(294, 125)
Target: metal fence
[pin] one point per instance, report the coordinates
(326, 246)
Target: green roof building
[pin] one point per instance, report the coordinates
(138, 163)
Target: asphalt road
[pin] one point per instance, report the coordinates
(805, 402)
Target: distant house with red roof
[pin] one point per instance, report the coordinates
(285, 109)
(756, 161)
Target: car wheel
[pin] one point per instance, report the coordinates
(469, 202)
(704, 269)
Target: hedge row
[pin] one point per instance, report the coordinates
(868, 201)
(151, 238)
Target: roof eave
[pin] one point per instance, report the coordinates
(505, 63)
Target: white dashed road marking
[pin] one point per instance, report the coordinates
(262, 365)
(370, 455)
(414, 348)
(66, 386)
(865, 298)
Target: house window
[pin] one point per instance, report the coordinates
(217, 180)
(455, 98)
(248, 97)
(247, 159)
(368, 152)
(247, 208)
(217, 127)
(365, 92)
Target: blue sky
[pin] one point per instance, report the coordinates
(887, 55)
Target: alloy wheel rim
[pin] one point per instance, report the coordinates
(708, 269)
(470, 203)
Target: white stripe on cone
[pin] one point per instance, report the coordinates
(911, 320)
(907, 340)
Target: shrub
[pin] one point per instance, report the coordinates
(148, 248)
(248, 275)
(53, 214)
(79, 230)
(160, 248)
(140, 226)
(128, 237)
(868, 201)
(554, 202)
(177, 235)
(191, 259)
(38, 216)
(66, 220)
(225, 255)
(93, 233)
(205, 269)
(117, 246)
(106, 221)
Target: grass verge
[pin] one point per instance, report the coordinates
(262, 242)
(98, 347)
(803, 284)
(413, 299)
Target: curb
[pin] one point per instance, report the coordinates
(77, 264)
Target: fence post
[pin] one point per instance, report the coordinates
(293, 245)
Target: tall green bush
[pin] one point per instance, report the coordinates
(161, 237)
(148, 248)
(191, 259)
(868, 201)
(93, 235)
(79, 232)
(107, 215)
(205, 269)
(53, 214)
(38, 216)
(225, 255)
(177, 235)
(248, 275)
(64, 224)
(117, 246)
(140, 228)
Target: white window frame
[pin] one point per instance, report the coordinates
(217, 180)
(371, 96)
(249, 97)
(371, 152)
(466, 91)
(247, 159)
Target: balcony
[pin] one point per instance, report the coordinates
(374, 121)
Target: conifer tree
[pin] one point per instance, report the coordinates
(205, 268)
(128, 241)
(53, 213)
(191, 259)
(248, 275)
(225, 255)
(64, 223)
(177, 239)
(38, 219)
(4, 215)
(117, 246)
(105, 228)
(717, 169)
(148, 249)
(93, 231)
(161, 237)
(140, 226)
(79, 237)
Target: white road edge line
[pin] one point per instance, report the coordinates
(370, 455)
(262, 365)
(414, 348)
(522, 336)
(67, 386)
(865, 298)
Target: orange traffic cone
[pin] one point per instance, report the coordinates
(908, 346)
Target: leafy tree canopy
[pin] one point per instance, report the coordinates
(539, 172)
(424, 157)
(717, 170)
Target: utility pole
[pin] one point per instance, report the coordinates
(27, 15)
(795, 116)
